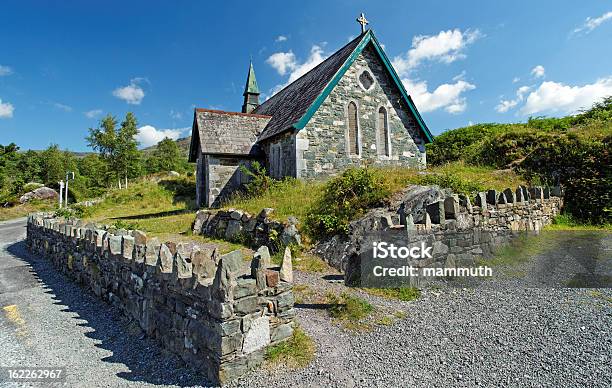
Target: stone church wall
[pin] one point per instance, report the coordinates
(222, 177)
(321, 146)
(219, 313)
(280, 154)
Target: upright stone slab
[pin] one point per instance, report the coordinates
(286, 269)
(492, 197)
(166, 259)
(510, 196)
(226, 276)
(481, 200)
(465, 202)
(263, 253)
(451, 207)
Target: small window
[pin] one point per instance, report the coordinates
(383, 132)
(366, 80)
(353, 130)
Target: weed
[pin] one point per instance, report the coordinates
(295, 352)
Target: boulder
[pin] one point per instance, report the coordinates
(416, 198)
(40, 193)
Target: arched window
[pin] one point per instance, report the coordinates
(383, 132)
(353, 130)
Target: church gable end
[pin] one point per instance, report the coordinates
(384, 131)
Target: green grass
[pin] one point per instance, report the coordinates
(7, 213)
(310, 263)
(349, 310)
(290, 197)
(567, 222)
(599, 295)
(293, 197)
(295, 352)
(405, 294)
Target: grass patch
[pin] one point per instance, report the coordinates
(567, 222)
(295, 352)
(599, 295)
(405, 294)
(7, 213)
(349, 310)
(289, 197)
(385, 320)
(311, 263)
(519, 251)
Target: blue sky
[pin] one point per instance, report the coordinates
(65, 64)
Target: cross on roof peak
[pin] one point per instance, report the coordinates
(363, 21)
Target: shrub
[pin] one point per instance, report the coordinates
(31, 186)
(345, 198)
(259, 181)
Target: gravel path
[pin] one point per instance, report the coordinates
(509, 331)
(498, 334)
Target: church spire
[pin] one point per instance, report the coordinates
(251, 92)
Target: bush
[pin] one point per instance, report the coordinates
(345, 198)
(259, 181)
(31, 186)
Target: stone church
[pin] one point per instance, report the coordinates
(350, 110)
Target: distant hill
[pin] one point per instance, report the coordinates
(183, 144)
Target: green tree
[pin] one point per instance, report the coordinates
(53, 165)
(130, 161)
(118, 148)
(166, 156)
(104, 140)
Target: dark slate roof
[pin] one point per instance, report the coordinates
(291, 103)
(230, 133)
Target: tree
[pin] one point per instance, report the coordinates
(129, 159)
(117, 148)
(166, 156)
(104, 140)
(53, 165)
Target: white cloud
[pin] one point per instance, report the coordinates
(65, 108)
(132, 94)
(6, 110)
(287, 62)
(515, 80)
(447, 96)
(5, 70)
(505, 105)
(148, 135)
(281, 38)
(538, 71)
(92, 114)
(557, 97)
(592, 23)
(282, 62)
(445, 47)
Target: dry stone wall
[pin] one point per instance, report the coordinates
(239, 226)
(219, 313)
(459, 229)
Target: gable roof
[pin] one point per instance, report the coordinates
(293, 106)
(220, 132)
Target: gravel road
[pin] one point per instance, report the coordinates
(504, 332)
